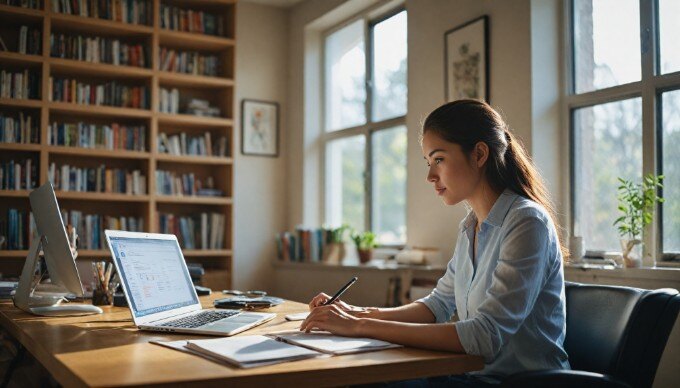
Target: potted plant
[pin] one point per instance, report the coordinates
(365, 242)
(636, 202)
(334, 250)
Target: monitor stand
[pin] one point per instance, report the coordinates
(48, 304)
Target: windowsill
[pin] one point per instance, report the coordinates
(373, 265)
(653, 273)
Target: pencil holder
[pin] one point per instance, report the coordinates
(101, 297)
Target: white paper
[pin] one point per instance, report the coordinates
(332, 344)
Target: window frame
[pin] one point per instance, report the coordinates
(370, 127)
(649, 88)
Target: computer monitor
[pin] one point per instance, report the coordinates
(51, 238)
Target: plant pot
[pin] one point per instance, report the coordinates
(365, 255)
(334, 253)
(631, 251)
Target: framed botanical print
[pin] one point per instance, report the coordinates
(259, 128)
(466, 61)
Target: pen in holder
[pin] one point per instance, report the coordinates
(102, 292)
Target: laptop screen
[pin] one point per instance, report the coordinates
(154, 274)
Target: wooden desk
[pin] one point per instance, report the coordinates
(107, 350)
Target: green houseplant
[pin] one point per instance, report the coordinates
(636, 203)
(365, 242)
(334, 250)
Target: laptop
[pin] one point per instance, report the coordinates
(159, 291)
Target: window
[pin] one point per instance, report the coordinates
(624, 112)
(364, 121)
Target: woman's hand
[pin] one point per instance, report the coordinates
(332, 318)
(322, 298)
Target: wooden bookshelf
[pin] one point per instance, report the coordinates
(149, 206)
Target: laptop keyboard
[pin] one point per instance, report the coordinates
(200, 319)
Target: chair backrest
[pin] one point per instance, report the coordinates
(619, 331)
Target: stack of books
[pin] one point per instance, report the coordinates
(97, 50)
(18, 175)
(109, 137)
(191, 145)
(23, 129)
(177, 19)
(126, 11)
(18, 228)
(99, 180)
(203, 231)
(25, 84)
(107, 93)
(305, 245)
(90, 227)
(188, 62)
(202, 108)
(169, 101)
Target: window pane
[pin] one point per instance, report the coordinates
(671, 171)
(669, 14)
(606, 43)
(608, 145)
(389, 68)
(389, 185)
(345, 77)
(345, 163)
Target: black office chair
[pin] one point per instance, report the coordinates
(615, 337)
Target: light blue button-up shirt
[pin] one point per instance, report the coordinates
(510, 301)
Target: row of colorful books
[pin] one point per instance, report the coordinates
(109, 93)
(304, 245)
(90, 227)
(202, 231)
(19, 175)
(18, 227)
(25, 84)
(125, 11)
(178, 19)
(172, 183)
(29, 41)
(22, 129)
(34, 4)
(182, 144)
(109, 137)
(98, 50)
(188, 62)
(99, 179)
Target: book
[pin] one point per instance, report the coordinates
(328, 343)
(243, 351)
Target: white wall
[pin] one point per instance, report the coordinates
(260, 194)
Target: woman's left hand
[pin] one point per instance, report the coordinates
(331, 318)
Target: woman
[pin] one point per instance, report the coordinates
(505, 280)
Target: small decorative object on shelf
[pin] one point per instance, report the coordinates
(636, 202)
(365, 242)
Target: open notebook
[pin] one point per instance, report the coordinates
(258, 350)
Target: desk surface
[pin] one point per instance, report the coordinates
(107, 350)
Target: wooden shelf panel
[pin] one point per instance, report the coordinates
(95, 25)
(113, 197)
(206, 252)
(83, 253)
(14, 193)
(194, 41)
(22, 13)
(97, 152)
(72, 67)
(193, 199)
(14, 253)
(20, 59)
(21, 103)
(20, 147)
(184, 119)
(191, 159)
(170, 79)
(97, 110)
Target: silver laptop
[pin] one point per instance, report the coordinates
(159, 291)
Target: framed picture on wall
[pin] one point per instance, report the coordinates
(259, 128)
(466, 60)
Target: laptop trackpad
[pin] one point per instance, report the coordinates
(233, 323)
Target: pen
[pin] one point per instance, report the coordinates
(341, 291)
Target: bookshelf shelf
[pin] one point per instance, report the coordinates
(193, 200)
(95, 25)
(16, 58)
(194, 41)
(100, 121)
(94, 152)
(113, 197)
(70, 67)
(194, 159)
(20, 147)
(98, 110)
(14, 193)
(171, 79)
(184, 119)
(21, 102)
